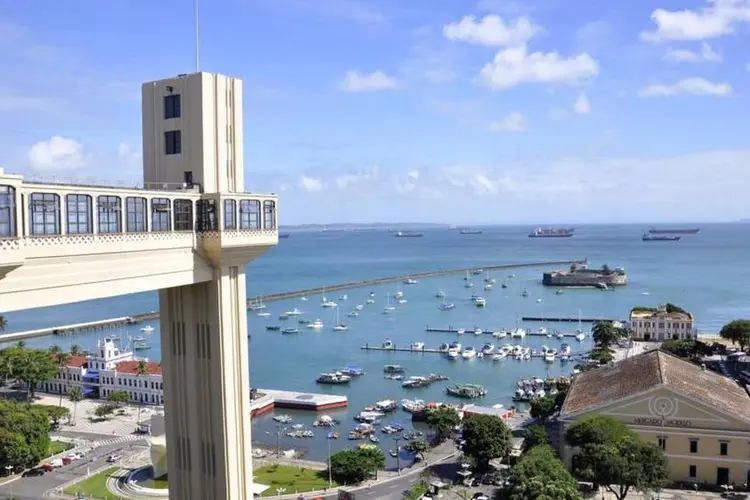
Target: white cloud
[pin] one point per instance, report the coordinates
(705, 54)
(716, 19)
(515, 66)
(491, 31)
(514, 122)
(354, 81)
(360, 178)
(58, 153)
(127, 154)
(582, 105)
(696, 86)
(310, 183)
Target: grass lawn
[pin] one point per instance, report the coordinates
(56, 447)
(294, 479)
(94, 486)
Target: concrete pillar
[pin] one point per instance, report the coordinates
(206, 388)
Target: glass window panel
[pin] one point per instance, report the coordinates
(161, 214)
(109, 209)
(44, 210)
(183, 215)
(230, 214)
(269, 214)
(250, 214)
(7, 212)
(135, 215)
(78, 211)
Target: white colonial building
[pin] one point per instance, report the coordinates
(661, 324)
(109, 370)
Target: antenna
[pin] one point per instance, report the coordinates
(197, 38)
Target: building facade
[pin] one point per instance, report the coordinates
(699, 418)
(109, 370)
(660, 324)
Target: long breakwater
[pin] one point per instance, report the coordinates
(105, 324)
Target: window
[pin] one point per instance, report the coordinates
(230, 214)
(109, 208)
(663, 442)
(45, 213)
(135, 215)
(173, 142)
(161, 214)
(172, 106)
(693, 446)
(206, 219)
(183, 215)
(724, 449)
(7, 212)
(269, 214)
(249, 214)
(692, 471)
(78, 212)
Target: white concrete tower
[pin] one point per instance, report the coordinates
(192, 137)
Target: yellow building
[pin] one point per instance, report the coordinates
(700, 419)
(660, 324)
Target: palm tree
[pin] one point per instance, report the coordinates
(63, 358)
(55, 349)
(3, 323)
(20, 344)
(141, 370)
(75, 350)
(75, 396)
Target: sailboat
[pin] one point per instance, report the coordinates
(388, 307)
(580, 336)
(339, 326)
(325, 302)
(489, 279)
(259, 305)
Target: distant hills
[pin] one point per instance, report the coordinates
(345, 226)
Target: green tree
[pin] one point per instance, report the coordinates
(738, 331)
(540, 475)
(535, 435)
(606, 334)
(596, 430)
(3, 323)
(54, 413)
(75, 350)
(687, 349)
(32, 424)
(543, 408)
(118, 398)
(442, 420)
(354, 466)
(487, 437)
(14, 450)
(62, 359)
(55, 349)
(75, 395)
(602, 355)
(21, 344)
(32, 366)
(418, 447)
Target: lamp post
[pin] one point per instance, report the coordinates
(330, 477)
(398, 455)
(279, 430)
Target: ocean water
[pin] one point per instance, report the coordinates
(706, 273)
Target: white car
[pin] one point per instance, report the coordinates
(113, 458)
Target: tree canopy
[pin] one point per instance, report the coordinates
(487, 437)
(540, 475)
(3, 323)
(418, 447)
(354, 466)
(687, 349)
(543, 408)
(30, 366)
(738, 332)
(533, 436)
(442, 420)
(613, 456)
(24, 433)
(606, 334)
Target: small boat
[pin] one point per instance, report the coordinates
(334, 378)
(417, 346)
(440, 294)
(525, 293)
(273, 328)
(370, 301)
(455, 345)
(504, 285)
(500, 356)
(294, 312)
(452, 354)
(147, 329)
(559, 291)
(353, 314)
(446, 306)
(478, 331)
(500, 334)
(468, 284)
(359, 307)
(470, 391)
(538, 300)
(374, 438)
(263, 314)
(460, 331)
(329, 303)
(393, 369)
(304, 322)
(388, 307)
(283, 316)
(388, 344)
(477, 272)
(580, 337)
(317, 324)
(303, 298)
(565, 350)
(393, 453)
(139, 338)
(518, 333)
(468, 353)
(488, 348)
(401, 300)
(290, 330)
(410, 281)
(344, 297)
(488, 287)
(480, 302)
(339, 326)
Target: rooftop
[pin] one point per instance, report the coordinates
(608, 384)
(131, 367)
(641, 314)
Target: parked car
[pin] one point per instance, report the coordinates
(67, 461)
(113, 458)
(34, 472)
(480, 496)
(46, 467)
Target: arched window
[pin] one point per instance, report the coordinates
(7, 212)
(78, 213)
(269, 214)
(249, 214)
(161, 214)
(135, 215)
(109, 209)
(44, 210)
(183, 215)
(230, 214)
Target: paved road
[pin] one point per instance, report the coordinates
(34, 488)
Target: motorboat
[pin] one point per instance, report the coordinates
(294, 312)
(316, 325)
(477, 272)
(304, 299)
(580, 337)
(353, 314)
(559, 291)
(359, 307)
(290, 330)
(565, 350)
(518, 333)
(283, 316)
(344, 297)
(538, 300)
(478, 331)
(542, 331)
(488, 287)
(501, 334)
(560, 335)
(393, 368)
(445, 306)
(504, 285)
(500, 356)
(440, 294)
(468, 284)
(147, 329)
(468, 353)
(334, 378)
(488, 348)
(417, 346)
(525, 293)
(455, 345)
(444, 347)
(388, 344)
(452, 354)
(549, 358)
(401, 300)
(460, 331)
(329, 303)
(263, 314)
(480, 302)
(410, 281)
(370, 301)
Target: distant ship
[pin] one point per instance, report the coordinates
(407, 234)
(654, 230)
(552, 233)
(283, 235)
(471, 231)
(649, 237)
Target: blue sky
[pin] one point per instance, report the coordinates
(481, 111)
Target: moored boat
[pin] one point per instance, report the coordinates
(469, 391)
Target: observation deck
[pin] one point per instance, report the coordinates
(63, 243)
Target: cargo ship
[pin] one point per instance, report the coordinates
(651, 237)
(407, 234)
(654, 230)
(552, 233)
(471, 231)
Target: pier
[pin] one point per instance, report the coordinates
(562, 319)
(367, 347)
(154, 315)
(488, 331)
(268, 399)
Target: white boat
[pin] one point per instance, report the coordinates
(388, 307)
(480, 302)
(388, 344)
(488, 286)
(542, 330)
(359, 307)
(410, 281)
(417, 346)
(304, 299)
(294, 312)
(147, 328)
(344, 297)
(446, 306)
(316, 325)
(500, 356)
(455, 346)
(339, 327)
(460, 331)
(329, 303)
(478, 331)
(398, 294)
(401, 300)
(264, 314)
(452, 354)
(488, 348)
(580, 337)
(370, 301)
(440, 294)
(560, 335)
(353, 314)
(518, 333)
(565, 350)
(468, 284)
(501, 334)
(468, 353)
(538, 300)
(549, 358)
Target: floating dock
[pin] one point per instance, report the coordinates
(269, 399)
(367, 347)
(470, 331)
